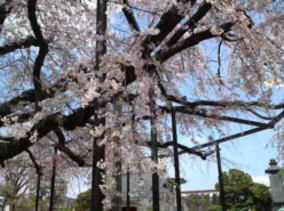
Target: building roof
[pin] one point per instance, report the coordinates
(199, 191)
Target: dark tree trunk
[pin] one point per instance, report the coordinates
(99, 151)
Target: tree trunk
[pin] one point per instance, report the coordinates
(99, 151)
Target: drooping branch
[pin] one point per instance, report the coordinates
(63, 148)
(36, 165)
(70, 154)
(219, 62)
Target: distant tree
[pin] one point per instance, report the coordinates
(28, 203)
(199, 202)
(83, 201)
(13, 183)
(241, 193)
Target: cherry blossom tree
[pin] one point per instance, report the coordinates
(104, 76)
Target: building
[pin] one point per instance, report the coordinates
(209, 192)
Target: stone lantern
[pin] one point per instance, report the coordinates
(276, 178)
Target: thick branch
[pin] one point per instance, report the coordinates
(130, 17)
(69, 153)
(5, 9)
(10, 47)
(43, 47)
(201, 12)
(166, 24)
(193, 40)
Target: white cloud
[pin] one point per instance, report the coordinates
(261, 179)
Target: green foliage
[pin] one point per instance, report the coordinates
(28, 203)
(66, 209)
(149, 209)
(83, 201)
(198, 202)
(241, 193)
(215, 207)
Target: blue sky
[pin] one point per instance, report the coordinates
(250, 154)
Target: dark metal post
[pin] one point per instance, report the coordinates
(219, 165)
(154, 155)
(37, 191)
(39, 174)
(127, 190)
(52, 183)
(176, 161)
(97, 196)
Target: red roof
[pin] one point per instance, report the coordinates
(199, 191)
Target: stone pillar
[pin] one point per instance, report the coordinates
(276, 179)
